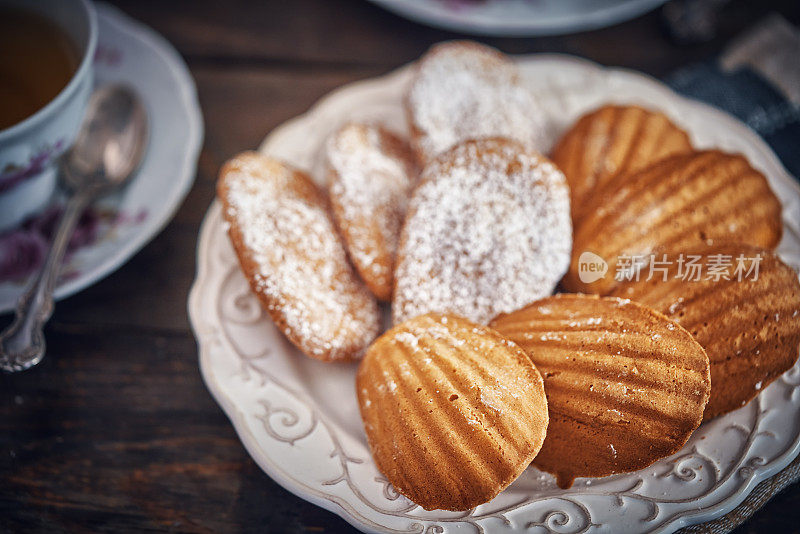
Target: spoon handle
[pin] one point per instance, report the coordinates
(22, 344)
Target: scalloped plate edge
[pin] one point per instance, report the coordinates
(340, 506)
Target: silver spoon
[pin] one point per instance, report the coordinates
(109, 147)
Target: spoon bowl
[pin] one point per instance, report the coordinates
(111, 142)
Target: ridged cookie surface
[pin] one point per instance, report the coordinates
(487, 231)
(614, 140)
(676, 203)
(370, 173)
(742, 306)
(625, 385)
(293, 258)
(453, 412)
(464, 90)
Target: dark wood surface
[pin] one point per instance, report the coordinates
(115, 431)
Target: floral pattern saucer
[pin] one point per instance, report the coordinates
(118, 226)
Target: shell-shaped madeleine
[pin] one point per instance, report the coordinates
(675, 204)
(465, 90)
(625, 385)
(741, 303)
(453, 412)
(487, 231)
(293, 258)
(613, 140)
(370, 174)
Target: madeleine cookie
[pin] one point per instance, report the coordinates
(464, 90)
(613, 140)
(452, 411)
(370, 173)
(675, 204)
(742, 305)
(625, 385)
(293, 259)
(487, 231)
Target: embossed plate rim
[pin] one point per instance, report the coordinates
(340, 505)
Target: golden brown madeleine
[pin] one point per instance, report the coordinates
(487, 231)
(453, 412)
(744, 310)
(612, 140)
(625, 385)
(676, 203)
(464, 90)
(293, 259)
(370, 174)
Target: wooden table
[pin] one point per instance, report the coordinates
(115, 430)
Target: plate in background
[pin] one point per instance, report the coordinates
(519, 18)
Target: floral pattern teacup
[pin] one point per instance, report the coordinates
(30, 149)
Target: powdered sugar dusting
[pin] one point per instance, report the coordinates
(466, 91)
(371, 173)
(488, 231)
(489, 399)
(301, 266)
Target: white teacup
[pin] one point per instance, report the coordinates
(30, 149)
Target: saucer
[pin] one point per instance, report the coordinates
(132, 54)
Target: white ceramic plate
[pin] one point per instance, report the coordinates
(130, 53)
(519, 17)
(299, 420)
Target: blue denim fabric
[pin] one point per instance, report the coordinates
(752, 99)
